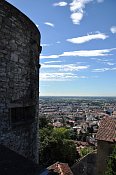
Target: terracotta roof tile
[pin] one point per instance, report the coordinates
(107, 130)
(61, 168)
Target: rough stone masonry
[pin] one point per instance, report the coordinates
(19, 82)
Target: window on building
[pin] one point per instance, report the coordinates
(20, 115)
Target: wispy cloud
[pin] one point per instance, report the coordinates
(60, 76)
(77, 9)
(49, 24)
(104, 61)
(50, 66)
(82, 53)
(89, 53)
(73, 67)
(113, 29)
(104, 69)
(68, 67)
(87, 38)
(45, 45)
(49, 56)
(100, 1)
(58, 42)
(49, 62)
(110, 64)
(61, 4)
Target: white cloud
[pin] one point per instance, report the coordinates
(49, 56)
(49, 62)
(104, 61)
(61, 4)
(60, 76)
(87, 38)
(81, 53)
(68, 67)
(73, 68)
(111, 64)
(45, 45)
(104, 69)
(113, 29)
(100, 1)
(76, 17)
(50, 66)
(100, 70)
(56, 76)
(89, 53)
(77, 9)
(49, 24)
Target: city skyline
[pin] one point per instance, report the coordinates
(78, 39)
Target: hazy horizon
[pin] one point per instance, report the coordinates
(77, 96)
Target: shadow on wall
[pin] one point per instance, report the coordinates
(86, 165)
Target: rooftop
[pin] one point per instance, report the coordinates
(60, 168)
(107, 130)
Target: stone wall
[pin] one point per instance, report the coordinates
(86, 165)
(19, 92)
(104, 149)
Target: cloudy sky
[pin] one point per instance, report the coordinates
(79, 45)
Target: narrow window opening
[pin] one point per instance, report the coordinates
(22, 115)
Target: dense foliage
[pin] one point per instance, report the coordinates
(55, 145)
(43, 121)
(111, 164)
(86, 150)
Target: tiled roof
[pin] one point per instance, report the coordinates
(60, 168)
(107, 130)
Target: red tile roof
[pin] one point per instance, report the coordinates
(107, 130)
(60, 168)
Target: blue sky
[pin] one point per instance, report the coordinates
(79, 45)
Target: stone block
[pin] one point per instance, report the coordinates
(14, 57)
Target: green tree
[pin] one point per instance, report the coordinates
(61, 133)
(43, 122)
(55, 146)
(111, 164)
(45, 133)
(86, 150)
(69, 151)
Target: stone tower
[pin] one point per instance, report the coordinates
(19, 81)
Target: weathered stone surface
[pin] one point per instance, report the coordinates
(86, 165)
(19, 53)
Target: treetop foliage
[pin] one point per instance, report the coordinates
(55, 145)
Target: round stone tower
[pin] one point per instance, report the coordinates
(19, 81)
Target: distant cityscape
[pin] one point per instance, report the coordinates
(81, 114)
